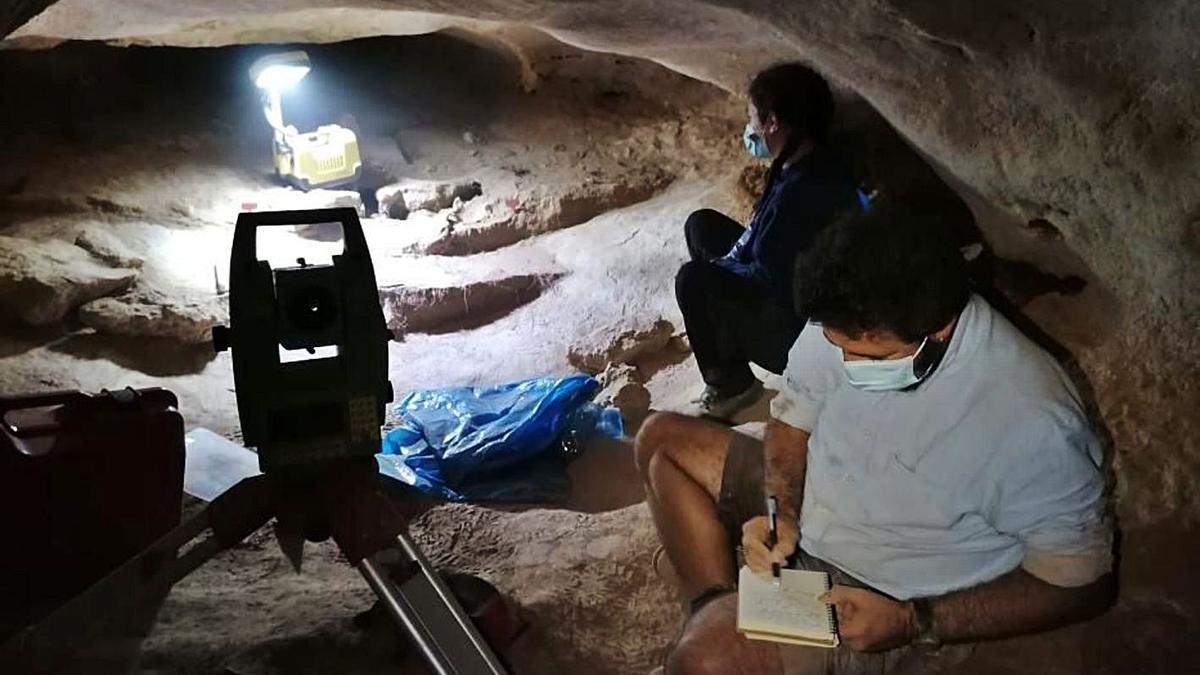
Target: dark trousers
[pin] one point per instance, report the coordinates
(731, 321)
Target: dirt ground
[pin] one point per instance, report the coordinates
(599, 165)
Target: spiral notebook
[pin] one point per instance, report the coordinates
(789, 612)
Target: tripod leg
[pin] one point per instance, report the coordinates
(432, 617)
(405, 614)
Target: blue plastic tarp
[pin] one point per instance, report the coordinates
(510, 442)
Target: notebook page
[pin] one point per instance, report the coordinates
(791, 608)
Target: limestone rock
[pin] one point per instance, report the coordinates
(108, 248)
(326, 199)
(679, 343)
(506, 219)
(291, 199)
(441, 309)
(620, 372)
(624, 389)
(141, 316)
(624, 348)
(42, 281)
(401, 198)
(391, 202)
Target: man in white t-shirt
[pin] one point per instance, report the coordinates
(931, 458)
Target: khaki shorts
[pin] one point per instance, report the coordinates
(743, 497)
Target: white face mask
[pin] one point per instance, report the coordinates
(756, 143)
(892, 375)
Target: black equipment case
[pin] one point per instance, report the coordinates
(86, 482)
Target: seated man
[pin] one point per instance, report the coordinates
(736, 291)
(925, 453)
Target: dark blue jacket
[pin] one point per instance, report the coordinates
(798, 203)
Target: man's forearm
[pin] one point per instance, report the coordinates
(1014, 604)
(785, 449)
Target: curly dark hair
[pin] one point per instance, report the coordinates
(798, 96)
(888, 269)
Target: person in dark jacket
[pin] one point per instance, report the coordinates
(735, 292)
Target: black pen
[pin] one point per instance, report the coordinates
(773, 518)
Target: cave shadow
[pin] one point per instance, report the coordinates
(652, 363)
(604, 477)
(758, 412)
(327, 649)
(493, 301)
(154, 356)
(17, 339)
(481, 318)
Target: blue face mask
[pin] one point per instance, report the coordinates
(891, 375)
(756, 143)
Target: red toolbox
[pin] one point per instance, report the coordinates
(86, 482)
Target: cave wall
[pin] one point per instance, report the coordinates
(14, 14)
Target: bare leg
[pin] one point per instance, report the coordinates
(681, 459)
(711, 645)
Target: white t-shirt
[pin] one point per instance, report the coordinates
(988, 464)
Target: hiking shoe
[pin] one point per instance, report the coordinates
(713, 404)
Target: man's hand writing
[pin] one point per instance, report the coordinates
(755, 535)
(868, 621)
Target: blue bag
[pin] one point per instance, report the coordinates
(502, 443)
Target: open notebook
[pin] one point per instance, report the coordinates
(789, 612)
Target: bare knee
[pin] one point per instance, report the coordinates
(722, 654)
(698, 653)
(670, 444)
(712, 646)
(652, 438)
(695, 659)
